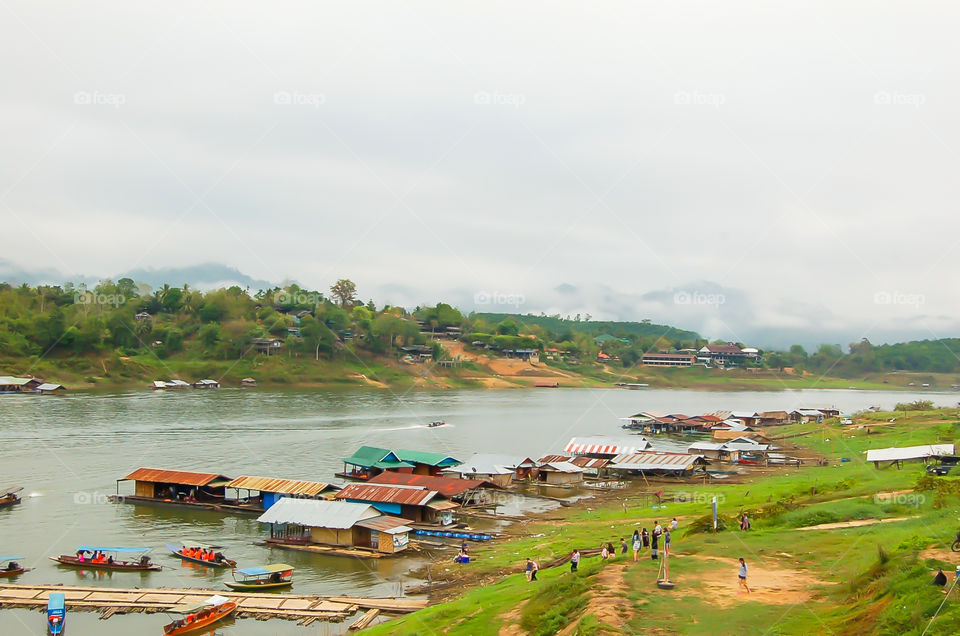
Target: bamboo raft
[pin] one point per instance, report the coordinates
(109, 601)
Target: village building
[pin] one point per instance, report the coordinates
(414, 503)
(335, 524)
(266, 346)
(896, 456)
(560, 473)
(9, 384)
(658, 463)
(206, 384)
(668, 359)
(155, 485)
(605, 447)
(50, 388)
(369, 461)
(270, 490)
(501, 470)
(724, 355)
(463, 490)
(773, 418)
(248, 382)
(805, 416)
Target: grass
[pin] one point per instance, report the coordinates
(869, 579)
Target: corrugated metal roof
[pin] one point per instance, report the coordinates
(48, 386)
(546, 459)
(654, 461)
(424, 457)
(442, 505)
(446, 486)
(274, 484)
(491, 464)
(606, 445)
(386, 524)
(908, 452)
(561, 467)
(589, 462)
(386, 494)
(318, 513)
(182, 477)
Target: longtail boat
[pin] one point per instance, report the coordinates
(81, 560)
(56, 613)
(222, 562)
(265, 577)
(10, 496)
(11, 567)
(197, 617)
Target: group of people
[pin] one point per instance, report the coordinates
(641, 540)
(201, 554)
(532, 568)
(96, 557)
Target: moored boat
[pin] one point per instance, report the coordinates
(219, 561)
(10, 496)
(265, 577)
(56, 613)
(97, 560)
(197, 617)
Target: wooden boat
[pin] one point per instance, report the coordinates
(56, 613)
(10, 496)
(436, 424)
(12, 567)
(199, 616)
(74, 560)
(265, 577)
(222, 563)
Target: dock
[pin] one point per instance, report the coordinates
(108, 601)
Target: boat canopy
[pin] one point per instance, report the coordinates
(96, 548)
(57, 602)
(10, 491)
(265, 569)
(191, 543)
(189, 608)
(4, 559)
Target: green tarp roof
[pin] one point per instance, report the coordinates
(371, 456)
(430, 459)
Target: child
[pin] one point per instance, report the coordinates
(742, 575)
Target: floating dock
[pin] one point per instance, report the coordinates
(262, 606)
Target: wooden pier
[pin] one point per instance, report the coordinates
(262, 606)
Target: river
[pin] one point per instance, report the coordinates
(68, 451)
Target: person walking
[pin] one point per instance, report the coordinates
(666, 541)
(534, 570)
(674, 524)
(654, 542)
(529, 569)
(604, 554)
(744, 522)
(646, 538)
(637, 546)
(574, 561)
(742, 575)
(623, 546)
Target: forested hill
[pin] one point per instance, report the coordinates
(630, 330)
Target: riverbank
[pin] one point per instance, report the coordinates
(350, 369)
(869, 571)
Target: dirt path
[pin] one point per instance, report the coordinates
(608, 602)
(769, 583)
(511, 622)
(854, 524)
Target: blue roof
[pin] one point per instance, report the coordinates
(9, 558)
(94, 548)
(57, 601)
(257, 571)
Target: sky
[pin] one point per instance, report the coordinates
(760, 172)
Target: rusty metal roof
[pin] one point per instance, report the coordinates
(275, 484)
(446, 486)
(589, 462)
(387, 524)
(183, 477)
(410, 496)
(654, 461)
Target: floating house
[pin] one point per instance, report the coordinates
(369, 461)
(155, 485)
(9, 384)
(408, 502)
(160, 385)
(606, 447)
(497, 469)
(462, 490)
(658, 463)
(335, 524)
(248, 382)
(49, 388)
(206, 384)
(425, 463)
(270, 490)
(560, 473)
(737, 449)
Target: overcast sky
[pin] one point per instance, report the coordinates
(754, 171)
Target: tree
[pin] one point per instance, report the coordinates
(345, 291)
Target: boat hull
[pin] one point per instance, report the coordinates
(14, 572)
(9, 501)
(253, 587)
(218, 613)
(73, 561)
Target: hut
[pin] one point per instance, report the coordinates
(49, 388)
(206, 384)
(805, 416)
(338, 524)
(462, 490)
(658, 463)
(560, 474)
(368, 461)
(10, 384)
(424, 463)
(408, 502)
(497, 469)
(248, 382)
(155, 485)
(897, 455)
(270, 490)
(606, 447)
